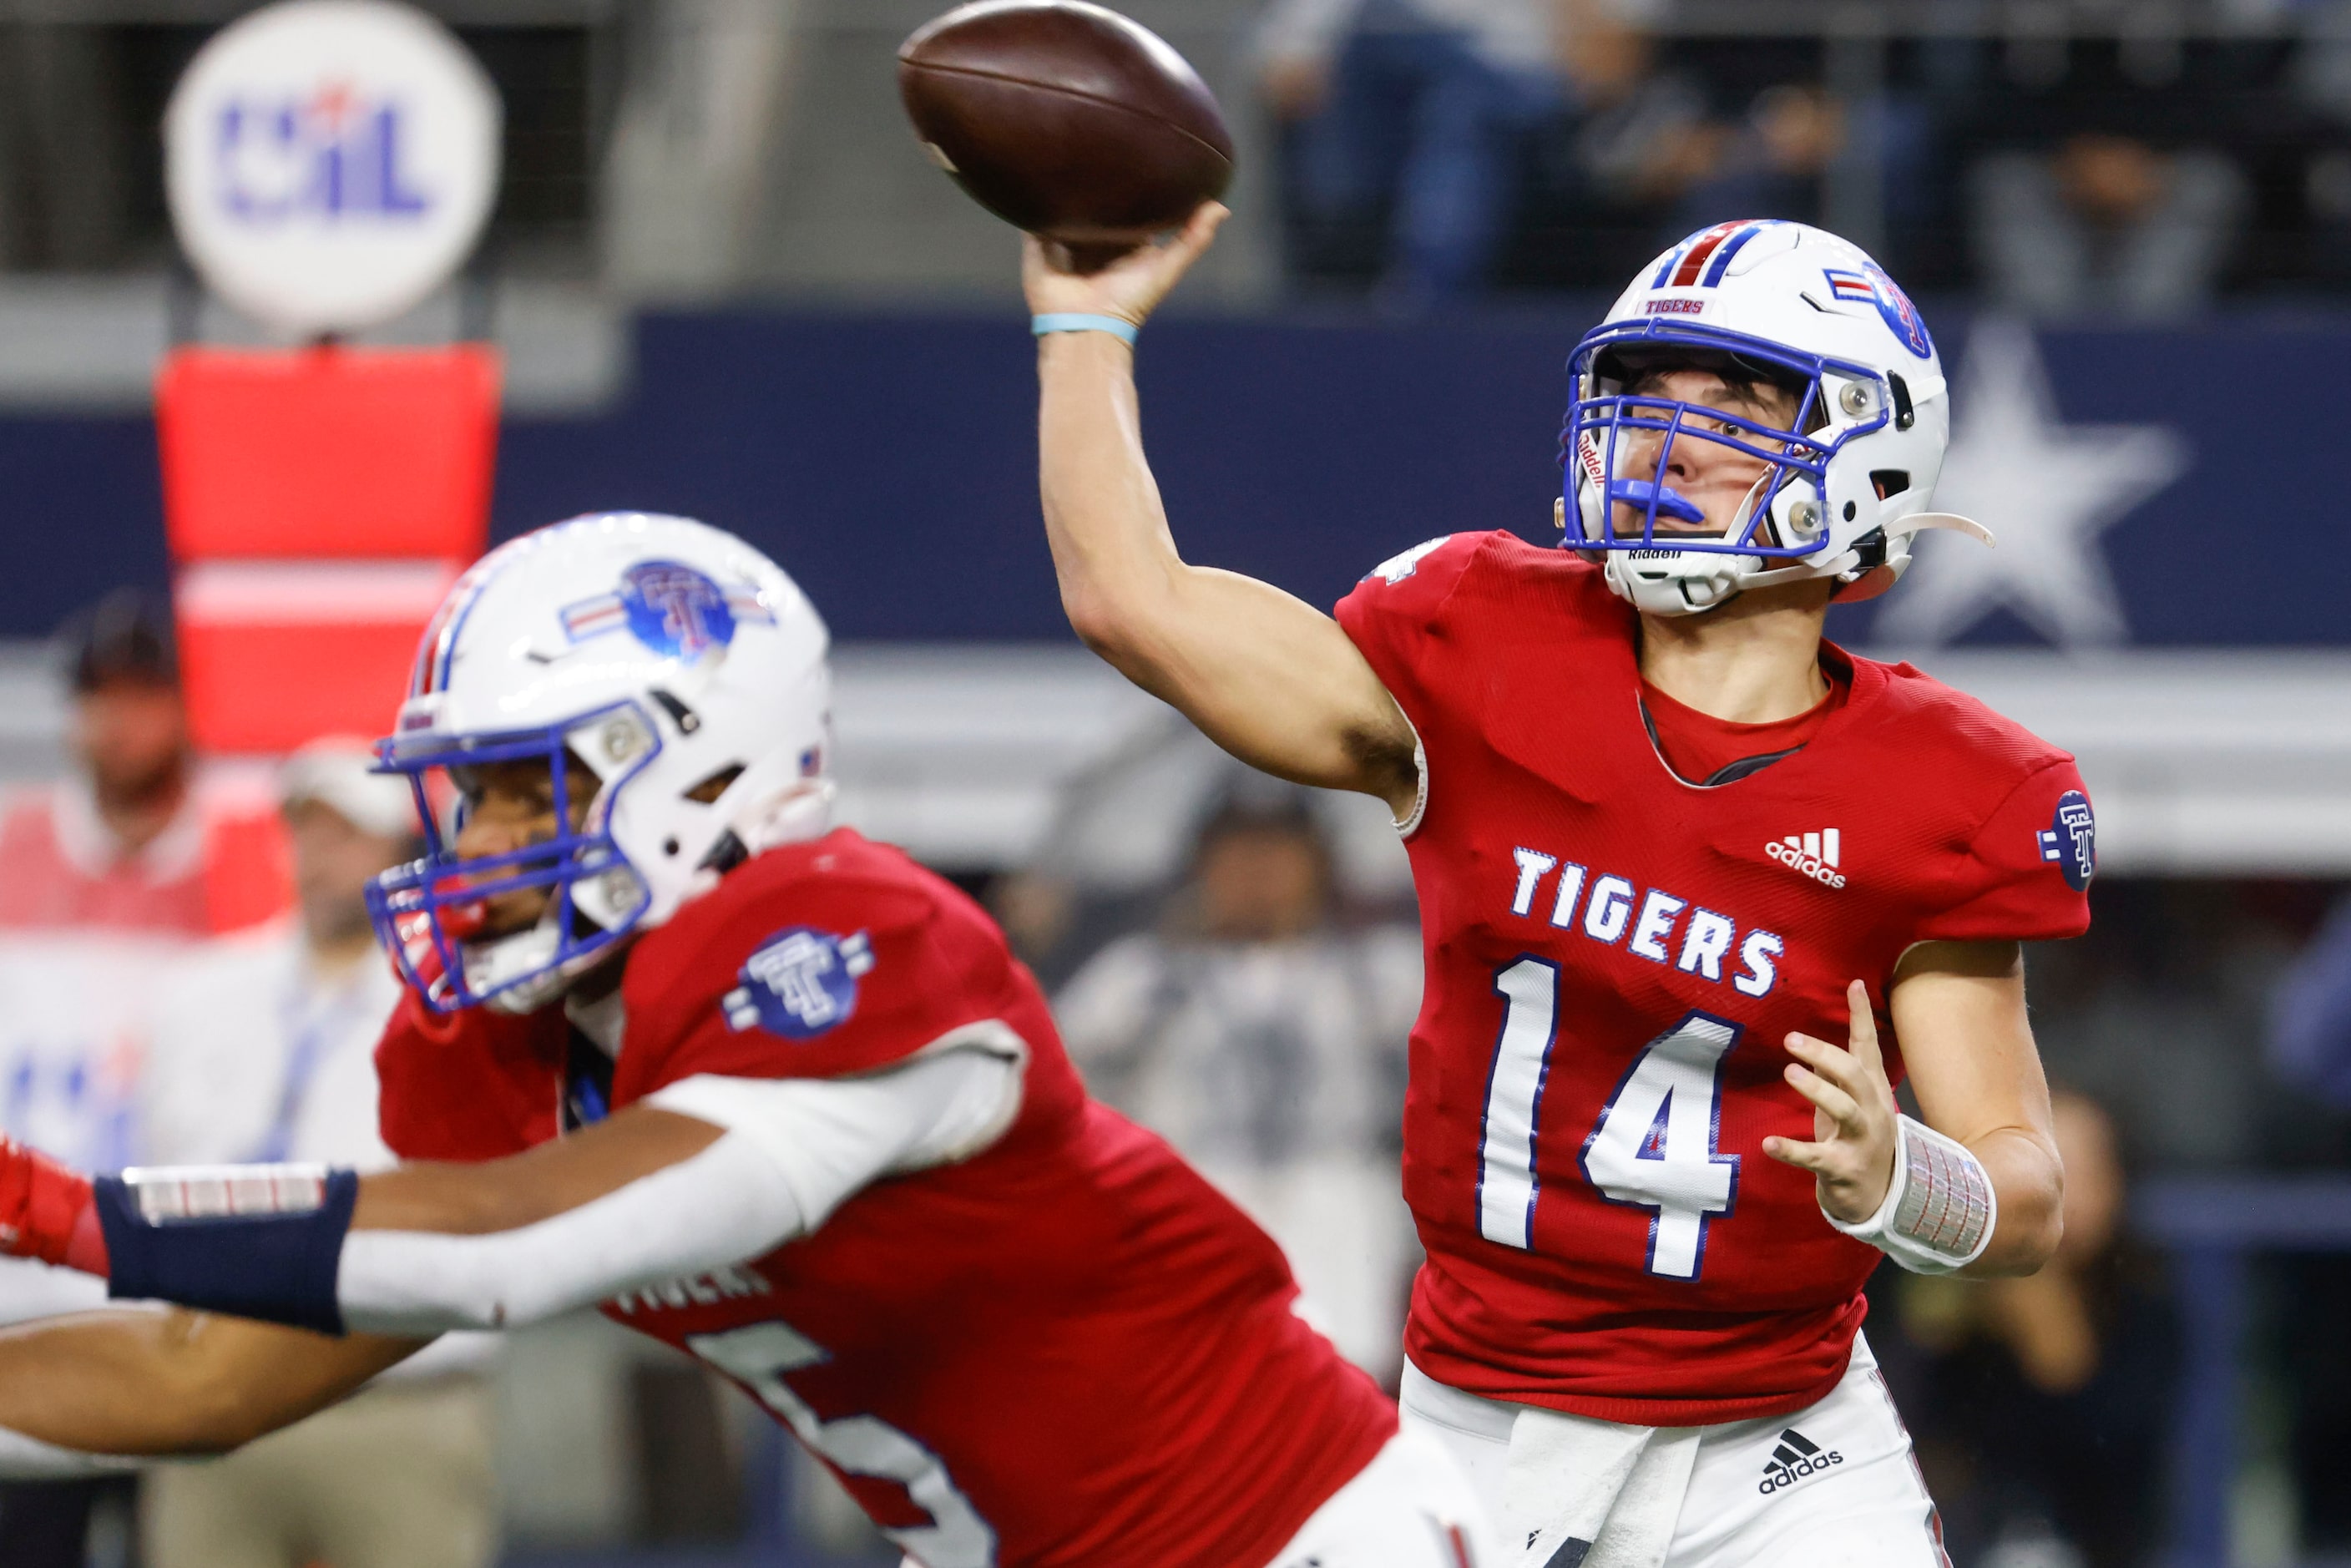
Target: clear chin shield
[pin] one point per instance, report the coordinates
(431, 914)
(1660, 548)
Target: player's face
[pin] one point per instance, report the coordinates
(334, 860)
(1716, 479)
(511, 806)
(132, 736)
(1261, 884)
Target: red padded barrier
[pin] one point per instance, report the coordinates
(274, 653)
(329, 451)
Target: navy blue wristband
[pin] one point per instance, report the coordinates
(277, 1268)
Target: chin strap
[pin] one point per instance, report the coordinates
(802, 812)
(1918, 523)
(1846, 568)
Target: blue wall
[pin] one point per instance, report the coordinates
(889, 463)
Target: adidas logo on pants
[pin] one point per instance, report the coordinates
(1796, 1457)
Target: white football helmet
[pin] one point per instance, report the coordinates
(677, 665)
(1842, 492)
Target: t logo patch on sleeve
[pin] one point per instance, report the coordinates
(1397, 568)
(800, 983)
(2072, 841)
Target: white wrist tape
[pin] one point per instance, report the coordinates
(24, 1459)
(166, 1193)
(1939, 1208)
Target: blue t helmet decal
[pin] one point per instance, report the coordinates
(670, 607)
(1871, 286)
(675, 610)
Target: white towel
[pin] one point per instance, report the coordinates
(1584, 1493)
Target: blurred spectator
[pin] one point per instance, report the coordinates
(2111, 187)
(2042, 1404)
(1415, 113)
(1268, 1045)
(1771, 166)
(130, 841)
(263, 1050)
(1613, 165)
(102, 875)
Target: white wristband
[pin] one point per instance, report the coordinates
(1939, 1208)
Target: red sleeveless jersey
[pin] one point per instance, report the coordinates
(1613, 958)
(1066, 1349)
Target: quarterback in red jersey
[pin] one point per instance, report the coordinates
(768, 1091)
(1698, 889)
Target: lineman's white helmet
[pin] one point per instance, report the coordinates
(1844, 491)
(682, 668)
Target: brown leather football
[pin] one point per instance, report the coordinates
(1065, 120)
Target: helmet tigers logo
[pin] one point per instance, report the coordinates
(668, 607)
(2071, 840)
(800, 983)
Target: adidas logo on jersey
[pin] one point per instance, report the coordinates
(1815, 856)
(1796, 1457)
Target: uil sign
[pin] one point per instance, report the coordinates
(330, 162)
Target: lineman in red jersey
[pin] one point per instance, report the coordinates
(768, 1091)
(1670, 843)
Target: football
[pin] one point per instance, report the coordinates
(1066, 120)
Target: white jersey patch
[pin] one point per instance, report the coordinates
(1397, 568)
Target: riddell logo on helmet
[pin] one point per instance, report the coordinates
(1815, 856)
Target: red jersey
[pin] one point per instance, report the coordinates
(1614, 959)
(1066, 1349)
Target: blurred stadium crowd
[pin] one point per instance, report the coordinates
(185, 974)
(1443, 147)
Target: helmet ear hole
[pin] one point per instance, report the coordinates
(714, 785)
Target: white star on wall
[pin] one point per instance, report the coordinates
(2045, 489)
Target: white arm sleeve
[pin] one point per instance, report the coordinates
(794, 1150)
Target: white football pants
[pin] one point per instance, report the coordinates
(1410, 1508)
(1833, 1486)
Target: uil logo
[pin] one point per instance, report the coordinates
(329, 154)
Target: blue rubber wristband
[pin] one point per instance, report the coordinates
(1075, 321)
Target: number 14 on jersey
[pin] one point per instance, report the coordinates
(1654, 1145)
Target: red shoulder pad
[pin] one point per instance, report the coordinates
(2026, 877)
(814, 960)
(469, 1086)
(1392, 612)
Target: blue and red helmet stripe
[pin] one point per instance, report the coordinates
(1686, 267)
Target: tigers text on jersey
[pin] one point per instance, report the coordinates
(1066, 1349)
(1615, 958)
